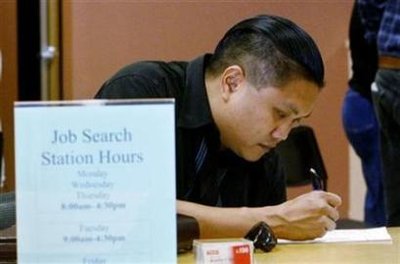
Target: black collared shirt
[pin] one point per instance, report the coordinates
(224, 179)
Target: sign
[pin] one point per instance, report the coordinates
(95, 181)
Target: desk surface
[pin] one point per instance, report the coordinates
(377, 253)
(362, 253)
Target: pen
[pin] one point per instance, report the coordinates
(316, 179)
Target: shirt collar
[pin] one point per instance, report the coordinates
(195, 111)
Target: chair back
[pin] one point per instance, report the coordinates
(298, 153)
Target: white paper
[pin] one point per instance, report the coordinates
(95, 182)
(367, 235)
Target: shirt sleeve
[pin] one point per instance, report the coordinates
(140, 80)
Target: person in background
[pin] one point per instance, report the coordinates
(359, 120)
(382, 23)
(232, 108)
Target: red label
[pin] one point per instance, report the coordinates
(241, 254)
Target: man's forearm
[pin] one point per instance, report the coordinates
(307, 216)
(216, 222)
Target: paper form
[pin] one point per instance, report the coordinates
(368, 235)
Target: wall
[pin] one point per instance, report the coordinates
(357, 187)
(102, 36)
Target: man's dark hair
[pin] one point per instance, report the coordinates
(271, 50)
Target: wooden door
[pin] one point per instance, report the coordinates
(8, 85)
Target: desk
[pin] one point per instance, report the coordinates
(324, 253)
(378, 253)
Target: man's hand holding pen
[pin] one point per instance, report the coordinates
(310, 215)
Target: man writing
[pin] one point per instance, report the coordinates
(232, 108)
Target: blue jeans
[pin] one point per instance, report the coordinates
(362, 131)
(386, 99)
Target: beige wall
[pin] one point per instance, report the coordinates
(102, 36)
(357, 187)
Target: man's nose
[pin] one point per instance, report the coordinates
(281, 132)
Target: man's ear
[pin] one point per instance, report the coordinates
(232, 78)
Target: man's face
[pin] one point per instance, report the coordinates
(257, 120)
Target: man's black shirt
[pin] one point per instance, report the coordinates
(221, 178)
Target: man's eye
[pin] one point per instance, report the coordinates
(281, 114)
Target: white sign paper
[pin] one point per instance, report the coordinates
(95, 181)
